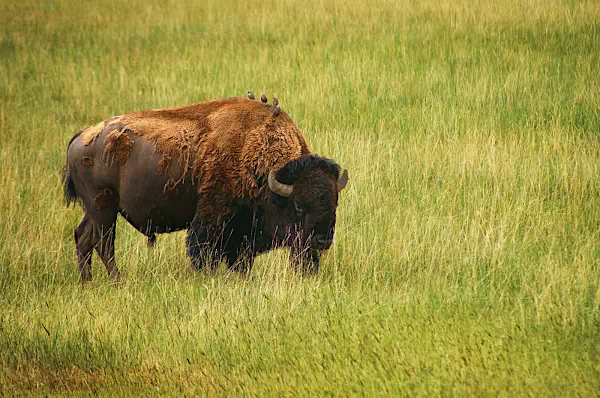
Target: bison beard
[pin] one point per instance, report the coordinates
(240, 178)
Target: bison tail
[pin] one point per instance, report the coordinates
(69, 192)
(68, 187)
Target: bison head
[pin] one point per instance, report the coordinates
(302, 206)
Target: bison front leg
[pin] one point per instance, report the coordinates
(240, 259)
(203, 247)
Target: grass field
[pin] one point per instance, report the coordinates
(467, 254)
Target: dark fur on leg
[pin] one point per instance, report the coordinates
(204, 246)
(151, 240)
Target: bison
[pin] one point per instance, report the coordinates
(236, 173)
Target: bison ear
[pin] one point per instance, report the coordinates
(280, 189)
(342, 181)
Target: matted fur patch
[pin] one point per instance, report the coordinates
(117, 147)
(106, 198)
(90, 134)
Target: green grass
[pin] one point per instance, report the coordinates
(467, 254)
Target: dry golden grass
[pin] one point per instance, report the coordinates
(467, 254)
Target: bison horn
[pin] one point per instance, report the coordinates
(342, 181)
(280, 189)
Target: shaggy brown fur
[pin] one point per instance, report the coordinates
(230, 145)
(117, 146)
(90, 134)
(105, 198)
(232, 141)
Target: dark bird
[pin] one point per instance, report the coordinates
(276, 111)
(275, 101)
(263, 98)
(251, 95)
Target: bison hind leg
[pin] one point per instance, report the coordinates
(97, 231)
(106, 250)
(85, 240)
(90, 236)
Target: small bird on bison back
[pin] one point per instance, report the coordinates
(275, 101)
(267, 190)
(251, 95)
(263, 98)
